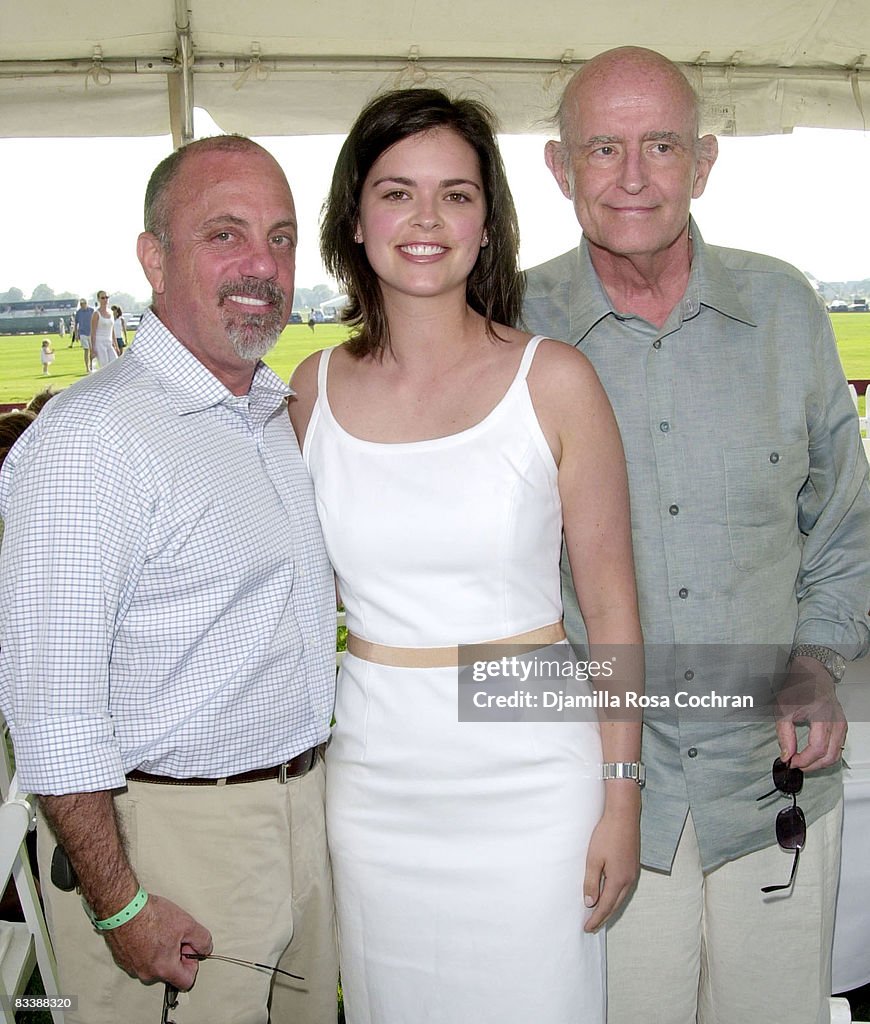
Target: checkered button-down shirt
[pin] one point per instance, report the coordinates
(166, 600)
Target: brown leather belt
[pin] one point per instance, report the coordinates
(295, 768)
(448, 657)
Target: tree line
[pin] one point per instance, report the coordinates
(303, 298)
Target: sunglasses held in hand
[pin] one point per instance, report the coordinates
(791, 825)
(170, 993)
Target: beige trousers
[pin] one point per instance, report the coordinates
(713, 949)
(247, 861)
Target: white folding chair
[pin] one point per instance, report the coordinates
(17, 949)
(23, 944)
(841, 1012)
(5, 760)
(862, 420)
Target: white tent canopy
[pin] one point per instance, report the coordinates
(267, 67)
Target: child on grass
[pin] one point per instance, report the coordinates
(47, 356)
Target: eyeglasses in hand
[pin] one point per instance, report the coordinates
(170, 993)
(791, 825)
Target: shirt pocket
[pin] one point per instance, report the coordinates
(762, 483)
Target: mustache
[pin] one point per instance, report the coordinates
(268, 291)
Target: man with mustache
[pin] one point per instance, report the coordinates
(751, 528)
(168, 671)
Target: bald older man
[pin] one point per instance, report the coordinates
(751, 524)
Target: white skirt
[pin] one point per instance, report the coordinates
(458, 853)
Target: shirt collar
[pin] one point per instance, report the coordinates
(189, 385)
(710, 284)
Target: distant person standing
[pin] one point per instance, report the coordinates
(120, 328)
(83, 330)
(103, 346)
(62, 328)
(312, 320)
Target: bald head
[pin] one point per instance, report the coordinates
(164, 175)
(611, 72)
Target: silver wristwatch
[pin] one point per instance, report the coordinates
(835, 663)
(634, 770)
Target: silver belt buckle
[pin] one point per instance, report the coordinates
(283, 777)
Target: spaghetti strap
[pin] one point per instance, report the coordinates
(528, 356)
(322, 371)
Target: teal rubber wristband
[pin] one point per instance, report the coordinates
(123, 916)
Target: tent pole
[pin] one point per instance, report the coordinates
(180, 86)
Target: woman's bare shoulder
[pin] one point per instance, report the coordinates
(304, 377)
(303, 384)
(557, 363)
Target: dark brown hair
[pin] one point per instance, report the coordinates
(36, 404)
(494, 288)
(12, 426)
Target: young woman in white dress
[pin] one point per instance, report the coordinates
(474, 862)
(104, 348)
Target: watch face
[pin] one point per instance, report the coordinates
(838, 666)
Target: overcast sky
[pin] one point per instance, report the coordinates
(73, 207)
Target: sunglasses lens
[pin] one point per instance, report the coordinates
(791, 828)
(787, 780)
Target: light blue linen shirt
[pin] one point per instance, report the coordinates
(166, 601)
(750, 518)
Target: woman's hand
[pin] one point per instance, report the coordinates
(613, 858)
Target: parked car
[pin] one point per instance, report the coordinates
(838, 306)
(859, 306)
(295, 317)
(132, 320)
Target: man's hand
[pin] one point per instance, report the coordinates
(150, 946)
(810, 696)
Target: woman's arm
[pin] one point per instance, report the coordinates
(579, 424)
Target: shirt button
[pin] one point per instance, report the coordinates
(683, 593)
(692, 751)
(657, 343)
(774, 457)
(688, 675)
(674, 510)
(664, 426)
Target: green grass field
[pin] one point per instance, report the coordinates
(21, 373)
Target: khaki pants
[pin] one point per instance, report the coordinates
(247, 861)
(713, 949)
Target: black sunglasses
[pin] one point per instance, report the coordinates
(791, 825)
(170, 993)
